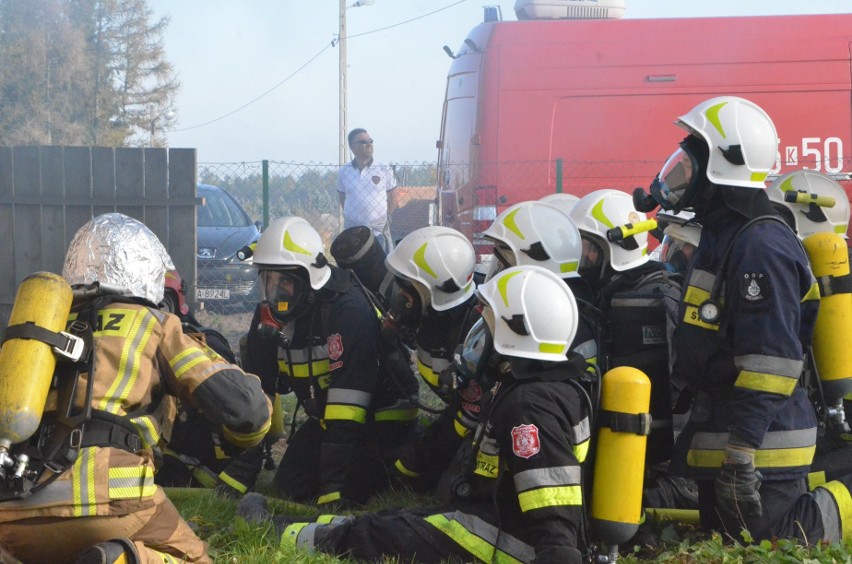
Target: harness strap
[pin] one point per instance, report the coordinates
(831, 285)
(620, 422)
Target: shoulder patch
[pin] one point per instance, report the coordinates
(525, 442)
(754, 286)
(335, 346)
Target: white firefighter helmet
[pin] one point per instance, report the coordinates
(121, 252)
(538, 234)
(601, 210)
(741, 138)
(561, 201)
(531, 313)
(439, 262)
(824, 207)
(291, 242)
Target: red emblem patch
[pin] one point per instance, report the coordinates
(335, 346)
(525, 441)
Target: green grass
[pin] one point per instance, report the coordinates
(232, 540)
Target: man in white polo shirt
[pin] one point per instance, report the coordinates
(366, 189)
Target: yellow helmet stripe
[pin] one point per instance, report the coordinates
(502, 284)
(420, 260)
(291, 245)
(712, 114)
(509, 222)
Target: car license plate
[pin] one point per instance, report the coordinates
(212, 294)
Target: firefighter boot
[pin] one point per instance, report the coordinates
(116, 551)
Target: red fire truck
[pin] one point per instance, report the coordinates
(537, 106)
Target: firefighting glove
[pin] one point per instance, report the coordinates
(737, 484)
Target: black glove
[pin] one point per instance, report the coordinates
(737, 484)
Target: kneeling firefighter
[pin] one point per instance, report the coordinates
(316, 333)
(747, 317)
(520, 498)
(83, 480)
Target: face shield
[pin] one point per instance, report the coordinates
(405, 304)
(592, 261)
(285, 291)
(473, 355)
(675, 254)
(674, 186)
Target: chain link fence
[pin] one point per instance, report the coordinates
(226, 290)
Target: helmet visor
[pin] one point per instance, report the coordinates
(593, 255)
(674, 180)
(473, 357)
(284, 290)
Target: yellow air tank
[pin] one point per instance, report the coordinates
(832, 340)
(27, 365)
(624, 424)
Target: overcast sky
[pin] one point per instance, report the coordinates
(228, 53)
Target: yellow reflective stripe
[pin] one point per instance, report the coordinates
(581, 451)
(844, 506)
(569, 266)
(325, 519)
(147, 430)
(336, 412)
(128, 365)
(291, 534)
(405, 471)
(478, 547)
(427, 373)
(328, 498)
(187, 359)
(695, 295)
(551, 348)
(815, 479)
(461, 430)
(320, 368)
(240, 487)
(690, 316)
(83, 483)
(204, 477)
(813, 293)
(245, 440)
(762, 382)
(772, 458)
(131, 482)
(550, 497)
(402, 414)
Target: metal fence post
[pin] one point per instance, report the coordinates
(558, 176)
(265, 175)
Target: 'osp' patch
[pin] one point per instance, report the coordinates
(754, 286)
(525, 441)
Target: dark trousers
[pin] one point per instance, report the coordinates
(297, 477)
(789, 511)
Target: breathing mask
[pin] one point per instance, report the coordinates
(286, 294)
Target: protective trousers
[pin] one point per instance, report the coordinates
(789, 511)
(411, 535)
(55, 540)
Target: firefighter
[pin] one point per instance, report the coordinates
(433, 270)
(748, 313)
(542, 234)
(813, 203)
(100, 493)
(521, 499)
(196, 454)
(316, 333)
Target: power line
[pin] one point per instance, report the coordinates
(406, 21)
(249, 103)
(311, 60)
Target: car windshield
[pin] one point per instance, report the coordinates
(220, 210)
